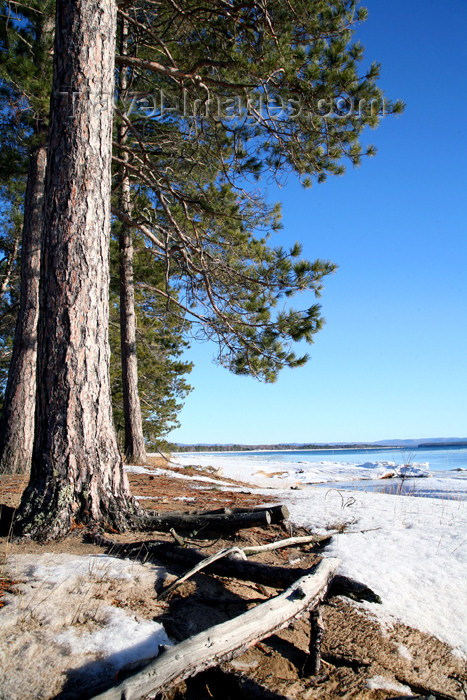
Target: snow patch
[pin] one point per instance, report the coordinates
(59, 569)
(273, 472)
(404, 652)
(382, 683)
(411, 551)
(122, 640)
(62, 625)
(136, 469)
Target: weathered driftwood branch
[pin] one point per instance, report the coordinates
(199, 567)
(313, 662)
(227, 640)
(240, 553)
(264, 574)
(221, 521)
(289, 542)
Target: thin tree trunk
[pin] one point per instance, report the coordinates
(17, 422)
(135, 451)
(77, 473)
(9, 268)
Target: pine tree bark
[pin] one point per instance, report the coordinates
(135, 451)
(77, 473)
(9, 268)
(17, 422)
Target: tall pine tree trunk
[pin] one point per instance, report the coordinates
(17, 422)
(135, 451)
(77, 473)
(9, 268)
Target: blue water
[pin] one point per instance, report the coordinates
(447, 465)
(440, 459)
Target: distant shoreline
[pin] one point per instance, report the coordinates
(312, 448)
(278, 448)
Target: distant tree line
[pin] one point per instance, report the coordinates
(281, 446)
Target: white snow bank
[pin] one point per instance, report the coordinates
(411, 551)
(136, 469)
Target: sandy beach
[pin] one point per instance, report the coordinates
(74, 616)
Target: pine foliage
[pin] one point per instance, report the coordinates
(225, 95)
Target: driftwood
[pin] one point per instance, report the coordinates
(223, 520)
(313, 662)
(240, 553)
(231, 551)
(289, 542)
(264, 574)
(227, 640)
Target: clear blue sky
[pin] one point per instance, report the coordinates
(391, 361)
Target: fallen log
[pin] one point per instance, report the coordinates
(278, 513)
(256, 572)
(194, 524)
(264, 574)
(240, 553)
(225, 641)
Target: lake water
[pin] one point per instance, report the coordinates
(438, 458)
(369, 469)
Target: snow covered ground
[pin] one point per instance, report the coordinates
(65, 614)
(281, 472)
(411, 550)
